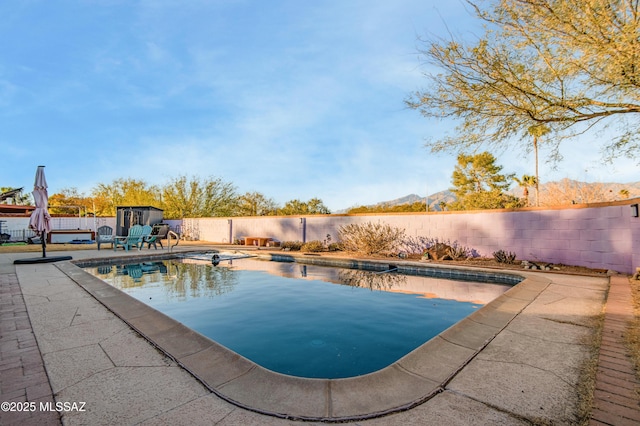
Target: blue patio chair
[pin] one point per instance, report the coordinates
(104, 235)
(146, 233)
(131, 240)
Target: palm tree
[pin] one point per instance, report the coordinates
(537, 131)
(525, 182)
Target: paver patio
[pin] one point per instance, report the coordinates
(527, 373)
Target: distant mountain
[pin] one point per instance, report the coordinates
(564, 191)
(438, 198)
(434, 201)
(407, 199)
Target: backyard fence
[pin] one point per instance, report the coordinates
(600, 236)
(16, 229)
(16, 235)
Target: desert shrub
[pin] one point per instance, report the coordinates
(371, 238)
(445, 249)
(417, 245)
(438, 251)
(502, 256)
(459, 252)
(335, 247)
(312, 246)
(291, 245)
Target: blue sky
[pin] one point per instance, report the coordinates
(293, 99)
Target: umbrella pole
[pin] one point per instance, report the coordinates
(44, 243)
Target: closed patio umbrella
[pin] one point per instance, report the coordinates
(40, 217)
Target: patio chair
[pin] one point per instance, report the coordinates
(104, 235)
(131, 240)
(157, 234)
(146, 233)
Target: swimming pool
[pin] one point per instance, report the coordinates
(293, 318)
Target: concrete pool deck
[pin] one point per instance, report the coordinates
(517, 362)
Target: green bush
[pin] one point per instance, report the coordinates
(312, 246)
(371, 238)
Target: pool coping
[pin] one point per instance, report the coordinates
(408, 382)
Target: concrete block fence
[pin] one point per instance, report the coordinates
(601, 236)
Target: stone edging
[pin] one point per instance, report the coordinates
(410, 381)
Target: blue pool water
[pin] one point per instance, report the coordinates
(295, 319)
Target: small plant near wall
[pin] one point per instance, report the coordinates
(335, 247)
(371, 238)
(434, 249)
(329, 246)
(312, 247)
(502, 256)
(458, 252)
(437, 251)
(291, 245)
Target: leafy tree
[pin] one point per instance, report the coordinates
(316, 206)
(196, 197)
(417, 206)
(360, 209)
(124, 192)
(565, 64)
(313, 206)
(256, 204)
(103, 206)
(478, 184)
(71, 202)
